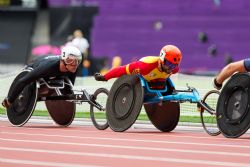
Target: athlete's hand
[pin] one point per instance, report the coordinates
(99, 77)
(216, 85)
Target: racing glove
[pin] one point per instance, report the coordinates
(216, 85)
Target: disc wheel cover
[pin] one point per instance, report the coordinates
(124, 102)
(233, 106)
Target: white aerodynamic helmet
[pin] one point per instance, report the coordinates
(71, 50)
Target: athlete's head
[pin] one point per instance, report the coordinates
(71, 57)
(170, 58)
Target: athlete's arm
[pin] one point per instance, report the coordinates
(137, 67)
(39, 72)
(230, 69)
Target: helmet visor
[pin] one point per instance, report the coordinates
(169, 64)
(71, 59)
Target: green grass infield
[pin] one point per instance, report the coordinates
(142, 116)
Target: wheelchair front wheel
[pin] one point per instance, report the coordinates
(97, 116)
(208, 118)
(23, 106)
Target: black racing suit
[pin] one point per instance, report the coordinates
(43, 67)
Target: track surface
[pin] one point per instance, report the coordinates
(46, 144)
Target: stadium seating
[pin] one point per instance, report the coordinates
(126, 28)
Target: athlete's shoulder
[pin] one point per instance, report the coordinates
(149, 59)
(52, 57)
(45, 60)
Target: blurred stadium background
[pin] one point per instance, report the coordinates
(210, 33)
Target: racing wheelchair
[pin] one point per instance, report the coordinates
(59, 97)
(233, 108)
(161, 102)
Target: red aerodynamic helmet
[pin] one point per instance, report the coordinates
(171, 53)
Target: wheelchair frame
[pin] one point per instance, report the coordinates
(190, 95)
(76, 98)
(50, 90)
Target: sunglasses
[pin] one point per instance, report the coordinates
(169, 64)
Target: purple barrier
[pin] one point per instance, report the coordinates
(128, 28)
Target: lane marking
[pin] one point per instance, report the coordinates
(160, 134)
(42, 163)
(133, 157)
(133, 147)
(129, 140)
(140, 133)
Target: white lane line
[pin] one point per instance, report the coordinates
(133, 147)
(130, 157)
(128, 133)
(130, 140)
(42, 163)
(110, 132)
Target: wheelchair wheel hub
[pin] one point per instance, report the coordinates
(123, 101)
(236, 105)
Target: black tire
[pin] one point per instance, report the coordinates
(22, 108)
(165, 116)
(62, 112)
(233, 109)
(100, 96)
(209, 120)
(124, 102)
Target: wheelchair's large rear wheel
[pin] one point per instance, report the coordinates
(100, 96)
(124, 102)
(62, 112)
(164, 116)
(233, 115)
(22, 108)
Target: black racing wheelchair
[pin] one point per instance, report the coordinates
(161, 102)
(233, 108)
(60, 99)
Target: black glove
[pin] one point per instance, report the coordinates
(216, 85)
(99, 77)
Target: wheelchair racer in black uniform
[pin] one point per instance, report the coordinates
(50, 66)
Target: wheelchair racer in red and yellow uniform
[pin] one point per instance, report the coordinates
(154, 69)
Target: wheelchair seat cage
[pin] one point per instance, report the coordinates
(190, 95)
(59, 84)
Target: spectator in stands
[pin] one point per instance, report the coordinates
(80, 42)
(45, 67)
(85, 70)
(83, 45)
(154, 69)
(229, 70)
(105, 66)
(116, 62)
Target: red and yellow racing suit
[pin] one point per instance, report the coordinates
(146, 66)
